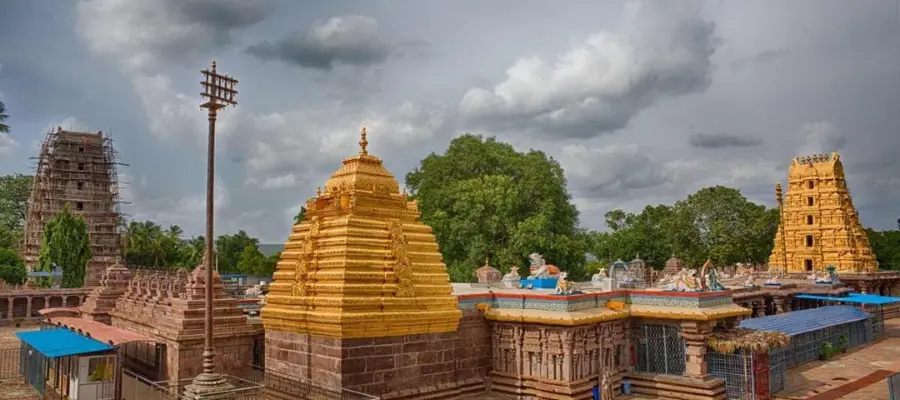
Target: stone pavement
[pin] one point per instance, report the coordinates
(819, 377)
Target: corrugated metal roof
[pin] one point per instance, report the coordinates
(54, 343)
(796, 322)
(100, 331)
(854, 298)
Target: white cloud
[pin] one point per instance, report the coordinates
(142, 34)
(821, 137)
(69, 124)
(598, 86)
(7, 143)
(610, 170)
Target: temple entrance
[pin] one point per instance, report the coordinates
(809, 264)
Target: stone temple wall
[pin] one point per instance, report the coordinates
(449, 364)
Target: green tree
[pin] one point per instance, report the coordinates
(12, 268)
(483, 198)
(3, 117)
(716, 222)
(230, 248)
(300, 215)
(14, 192)
(723, 224)
(251, 261)
(65, 243)
(886, 247)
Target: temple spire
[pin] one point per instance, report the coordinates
(363, 143)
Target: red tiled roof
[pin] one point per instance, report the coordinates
(45, 311)
(100, 331)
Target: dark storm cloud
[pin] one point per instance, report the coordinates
(762, 57)
(349, 40)
(721, 140)
(224, 15)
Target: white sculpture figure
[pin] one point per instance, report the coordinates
(512, 278)
(254, 291)
(774, 280)
(563, 286)
(750, 282)
(812, 276)
(539, 268)
(684, 281)
(598, 278)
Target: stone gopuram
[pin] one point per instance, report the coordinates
(361, 298)
(819, 224)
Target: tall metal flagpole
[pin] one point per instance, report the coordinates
(219, 92)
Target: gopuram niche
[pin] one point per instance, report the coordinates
(819, 225)
(359, 269)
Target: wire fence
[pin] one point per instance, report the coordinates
(659, 348)
(894, 386)
(749, 376)
(808, 346)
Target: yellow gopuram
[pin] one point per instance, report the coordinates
(361, 264)
(819, 224)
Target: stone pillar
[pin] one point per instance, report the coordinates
(695, 334)
(9, 314)
(28, 307)
(759, 309)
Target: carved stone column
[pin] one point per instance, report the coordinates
(779, 304)
(695, 334)
(28, 307)
(567, 355)
(9, 314)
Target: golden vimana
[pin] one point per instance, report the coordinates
(819, 225)
(361, 263)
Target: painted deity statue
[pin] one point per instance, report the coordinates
(775, 280)
(539, 268)
(599, 276)
(713, 280)
(751, 281)
(512, 278)
(684, 281)
(563, 286)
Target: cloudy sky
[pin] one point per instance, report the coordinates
(642, 103)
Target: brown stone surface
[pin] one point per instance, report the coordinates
(556, 362)
(168, 306)
(408, 367)
(102, 300)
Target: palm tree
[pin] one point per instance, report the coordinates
(3, 116)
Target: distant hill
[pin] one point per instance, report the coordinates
(270, 249)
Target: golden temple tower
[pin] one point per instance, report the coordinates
(361, 264)
(819, 225)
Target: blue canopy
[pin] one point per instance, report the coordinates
(53, 343)
(797, 322)
(853, 298)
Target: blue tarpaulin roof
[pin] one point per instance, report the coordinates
(854, 298)
(53, 343)
(797, 322)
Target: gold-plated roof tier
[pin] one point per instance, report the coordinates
(361, 264)
(819, 225)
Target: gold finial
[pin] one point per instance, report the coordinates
(363, 143)
(487, 261)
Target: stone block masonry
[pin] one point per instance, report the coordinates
(436, 365)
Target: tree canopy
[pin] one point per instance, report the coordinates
(65, 243)
(485, 199)
(12, 268)
(718, 223)
(14, 192)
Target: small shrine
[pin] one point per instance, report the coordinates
(487, 273)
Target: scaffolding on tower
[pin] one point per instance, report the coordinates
(79, 169)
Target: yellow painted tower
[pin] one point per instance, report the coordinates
(819, 224)
(361, 264)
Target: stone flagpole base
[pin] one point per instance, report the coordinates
(209, 387)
